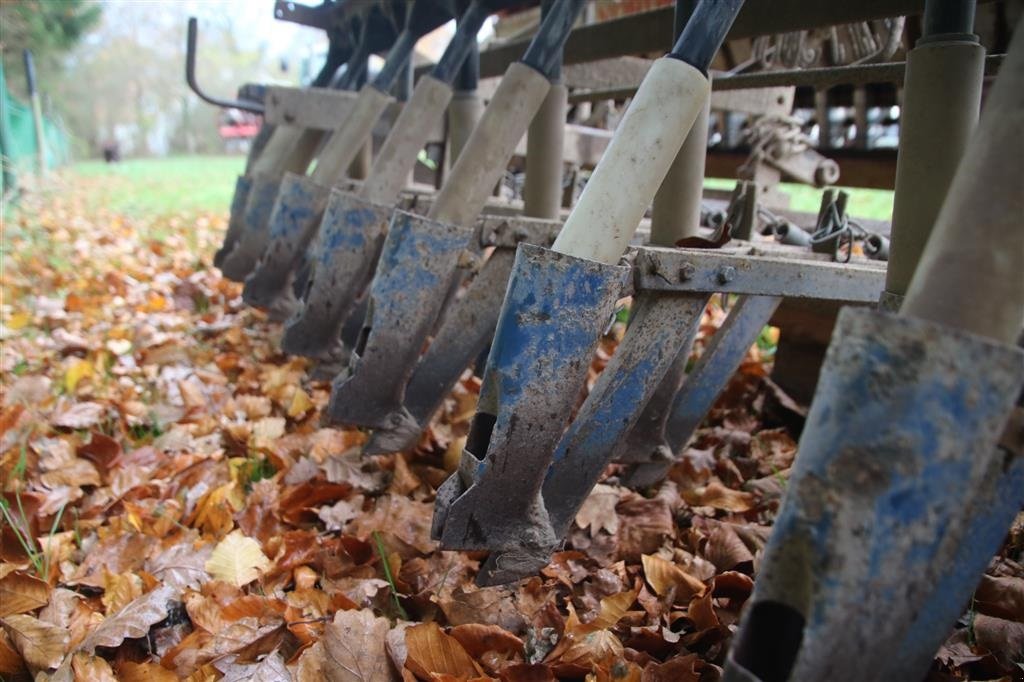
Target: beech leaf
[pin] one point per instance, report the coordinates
(21, 593)
(237, 559)
(41, 644)
(431, 651)
(132, 621)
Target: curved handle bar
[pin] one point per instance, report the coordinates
(190, 76)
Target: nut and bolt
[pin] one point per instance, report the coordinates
(726, 274)
(686, 272)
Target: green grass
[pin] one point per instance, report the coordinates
(863, 203)
(145, 188)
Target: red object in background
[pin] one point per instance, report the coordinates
(239, 130)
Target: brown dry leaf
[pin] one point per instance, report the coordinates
(664, 575)
(132, 621)
(12, 665)
(478, 639)
(270, 669)
(676, 669)
(644, 526)
(310, 667)
(725, 549)
(144, 672)
(88, 668)
(41, 644)
(21, 593)
(1003, 638)
(237, 560)
(354, 647)
(1002, 597)
(613, 608)
(717, 496)
(300, 404)
(119, 589)
(79, 416)
(432, 651)
(598, 511)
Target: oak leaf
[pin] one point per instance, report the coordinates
(354, 648)
(237, 560)
(598, 511)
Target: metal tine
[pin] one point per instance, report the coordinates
(338, 51)
(465, 192)
(465, 332)
(418, 260)
(701, 387)
(467, 326)
(346, 248)
(301, 201)
(376, 32)
(541, 378)
(532, 381)
(337, 280)
(661, 325)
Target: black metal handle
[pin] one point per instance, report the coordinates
(190, 76)
(545, 51)
(705, 32)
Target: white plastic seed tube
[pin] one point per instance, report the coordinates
(347, 141)
(635, 163)
(288, 148)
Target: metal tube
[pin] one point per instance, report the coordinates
(462, 43)
(37, 111)
(704, 32)
(545, 52)
(972, 279)
(544, 146)
(675, 213)
(942, 98)
(948, 17)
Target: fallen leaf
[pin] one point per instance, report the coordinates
(270, 669)
(79, 369)
(42, 645)
(79, 416)
(21, 593)
(664, 575)
(598, 511)
(300, 404)
(132, 621)
(1002, 597)
(88, 668)
(237, 559)
(431, 651)
(354, 647)
(718, 496)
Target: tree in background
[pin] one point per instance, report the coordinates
(47, 27)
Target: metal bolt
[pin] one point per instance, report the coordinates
(726, 274)
(686, 272)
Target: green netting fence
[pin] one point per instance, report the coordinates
(18, 138)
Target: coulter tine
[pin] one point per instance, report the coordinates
(555, 307)
(417, 266)
(293, 223)
(239, 263)
(348, 242)
(706, 381)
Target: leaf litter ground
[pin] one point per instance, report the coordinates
(173, 509)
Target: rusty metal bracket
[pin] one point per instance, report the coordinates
(751, 270)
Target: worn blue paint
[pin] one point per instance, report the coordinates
(343, 227)
(897, 498)
(294, 209)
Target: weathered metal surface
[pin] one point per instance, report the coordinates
(896, 502)
(236, 222)
(237, 265)
(550, 323)
(293, 224)
(318, 108)
(661, 325)
(347, 244)
(767, 275)
(702, 385)
(416, 269)
(506, 231)
(466, 329)
(876, 247)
